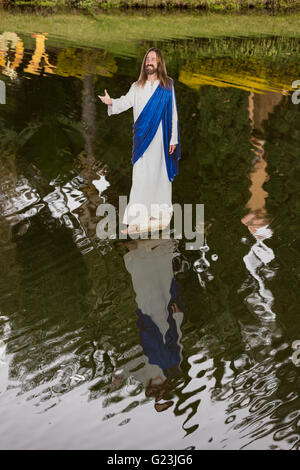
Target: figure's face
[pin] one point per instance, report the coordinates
(151, 63)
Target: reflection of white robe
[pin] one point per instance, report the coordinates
(150, 182)
(151, 269)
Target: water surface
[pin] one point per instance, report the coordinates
(82, 366)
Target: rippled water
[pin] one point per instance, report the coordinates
(81, 365)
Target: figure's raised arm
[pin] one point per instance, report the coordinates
(118, 105)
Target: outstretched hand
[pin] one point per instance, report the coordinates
(106, 99)
(171, 149)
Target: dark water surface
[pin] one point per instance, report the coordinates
(81, 365)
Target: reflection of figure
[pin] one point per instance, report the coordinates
(159, 316)
(156, 142)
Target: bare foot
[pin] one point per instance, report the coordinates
(163, 406)
(133, 229)
(130, 229)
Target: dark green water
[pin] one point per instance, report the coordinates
(81, 367)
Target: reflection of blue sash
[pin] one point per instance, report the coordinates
(166, 355)
(158, 108)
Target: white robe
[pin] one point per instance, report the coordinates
(150, 182)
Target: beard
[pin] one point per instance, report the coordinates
(150, 69)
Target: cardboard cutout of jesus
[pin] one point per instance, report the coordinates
(156, 143)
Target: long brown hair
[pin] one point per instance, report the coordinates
(162, 76)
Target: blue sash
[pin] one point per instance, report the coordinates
(158, 108)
